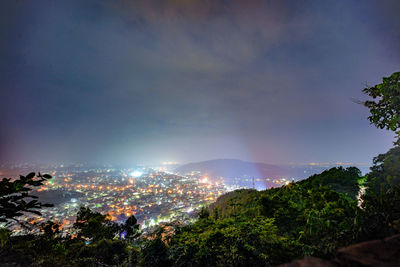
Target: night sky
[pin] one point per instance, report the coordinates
(186, 80)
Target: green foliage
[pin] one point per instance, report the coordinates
(154, 252)
(52, 247)
(4, 236)
(342, 180)
(385, 173)
(14, 193)
(261, 228)
(232, 203)
(318, 217)
(110, 252)
(385, 104)
(204, 213)
(380, 214)
(230, 242)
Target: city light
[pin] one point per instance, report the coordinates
(136, 174)
(204, 180)
(151, 195)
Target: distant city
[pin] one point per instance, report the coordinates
(154, 194)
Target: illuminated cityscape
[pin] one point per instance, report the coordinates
(152, 195)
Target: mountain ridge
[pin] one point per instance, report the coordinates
(236, 168)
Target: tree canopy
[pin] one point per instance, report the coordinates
(94, 226)
(385, 104)
(385, 173)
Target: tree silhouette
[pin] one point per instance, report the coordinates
(385, 106)
(131, 229)
(14, 195)
(95, 226)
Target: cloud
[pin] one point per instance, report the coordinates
(122, 76)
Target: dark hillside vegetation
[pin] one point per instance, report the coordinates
(269, 227)
(313, 217)
(341, 180)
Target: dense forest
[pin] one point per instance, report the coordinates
(313, 217)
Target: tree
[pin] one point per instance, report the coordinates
(385, 106)
(339, 179)
(13, 195)
(130, 229)
(154, 252)
(380, 214)
(105, 252)
(95, 226)
(385, 173)
(203, 213)
(50, 229)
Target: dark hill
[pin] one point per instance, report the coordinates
(233, 168)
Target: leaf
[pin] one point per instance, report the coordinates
(47, 176)
(30, 175)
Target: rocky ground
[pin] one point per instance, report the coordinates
(377, 253)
